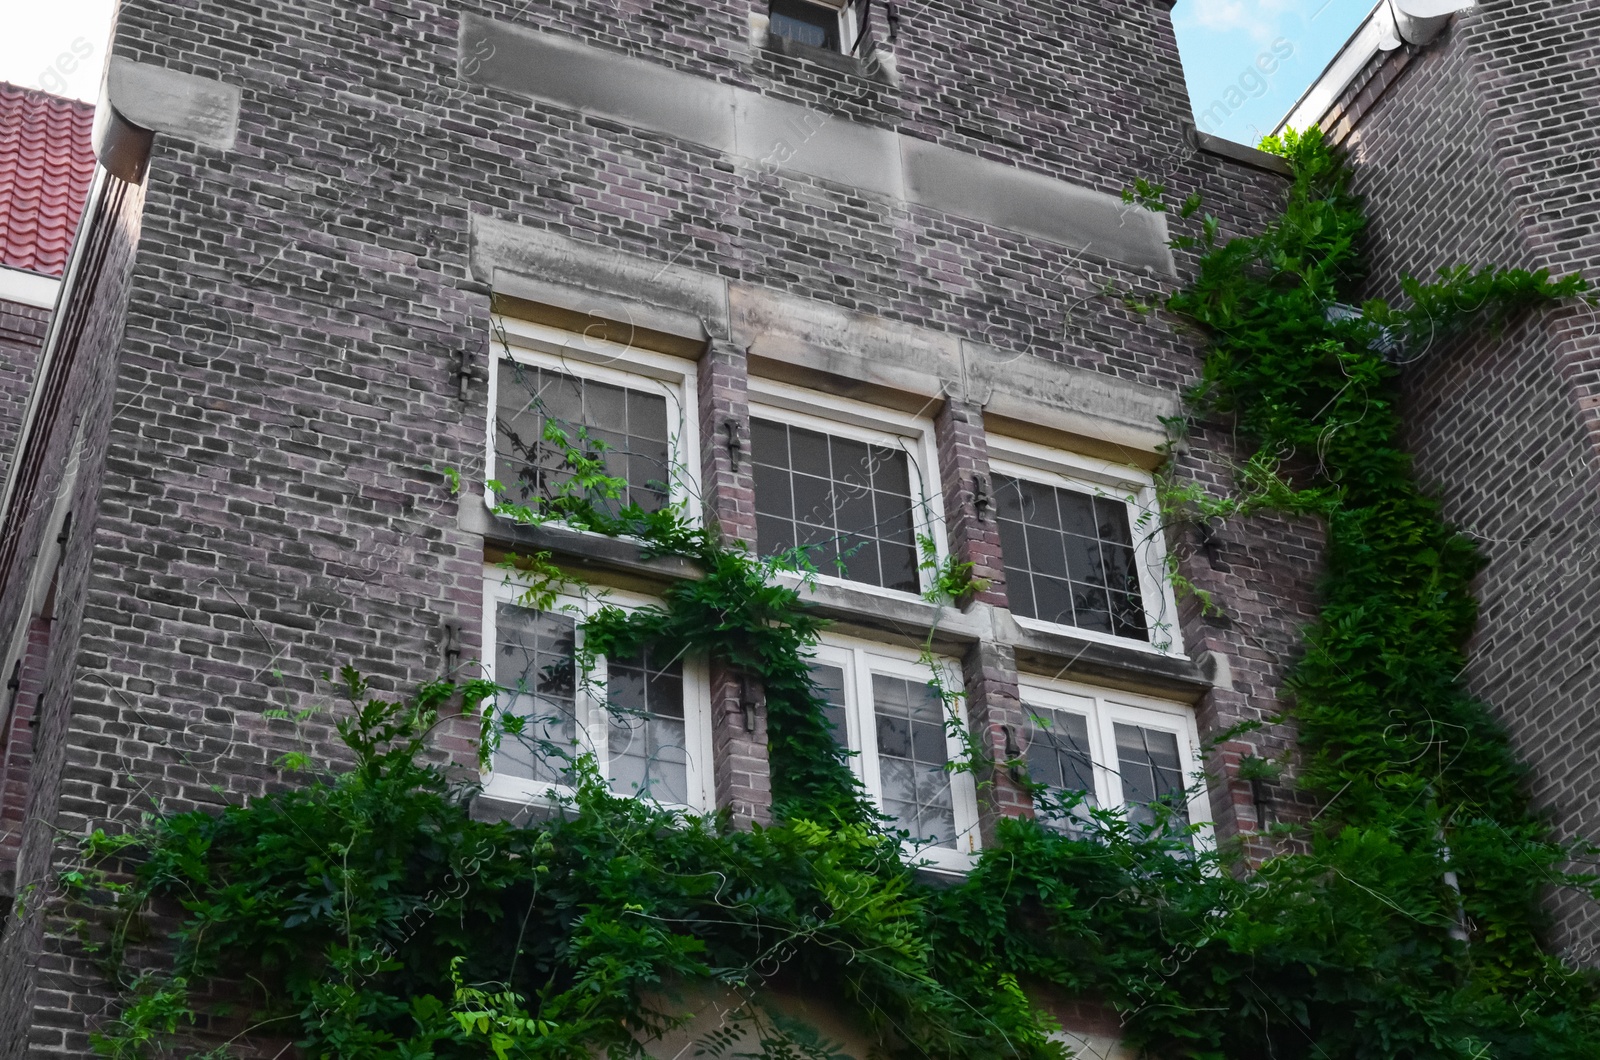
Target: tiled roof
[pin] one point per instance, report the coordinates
(46, 165)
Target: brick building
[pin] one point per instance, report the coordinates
(827, 278)
(1478, 147)
(46, 167)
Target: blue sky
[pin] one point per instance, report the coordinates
(1228, 45)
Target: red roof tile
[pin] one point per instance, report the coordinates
(46, 165)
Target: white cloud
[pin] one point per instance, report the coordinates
(57, 46)
(1262, 20)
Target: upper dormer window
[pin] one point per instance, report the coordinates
(816, 23)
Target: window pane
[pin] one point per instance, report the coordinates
(533, 662)
(626, 426)
(645, 747)
(1058, 757)
(848, 502)
(806, 23)
(1050, 536)
(809, 451)
(912, 753)
(830, 685)
(1151, 771)
(769, 443)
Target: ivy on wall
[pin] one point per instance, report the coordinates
(368, 914)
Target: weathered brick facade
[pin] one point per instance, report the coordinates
(1480, 149)
(268, 374)
(22, 329)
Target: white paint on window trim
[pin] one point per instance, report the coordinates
(1104, 708)
(603, 361)
(1020, 459)
(798, 407)
(28, 288)
(860, 660)
(701, 769)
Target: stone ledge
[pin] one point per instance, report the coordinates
(1062, 654)
(777, 136)
(617, 562)
(1237, 152)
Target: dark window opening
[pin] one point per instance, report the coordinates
(542, 414)
(912, 758)
(806, 23)
(1152, 775)
(847, 504)
(1069, 558)
(1058, 758)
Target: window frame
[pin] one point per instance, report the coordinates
(860, 660)
(1106, 708)
(858, 421)
(590, 358)
(844, 10)
(700, 769)
(1015, 458)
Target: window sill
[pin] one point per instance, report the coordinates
(838, 62)
(577, 549)
(886, 615)
(1058, 652)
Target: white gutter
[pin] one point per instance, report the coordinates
(1386, 27)
(1420, 21)
(1377, 33)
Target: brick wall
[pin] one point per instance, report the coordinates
(1473, 156)
(271, 502)
(80, 738)
(22, 329)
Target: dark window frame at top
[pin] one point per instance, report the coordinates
(810, 23)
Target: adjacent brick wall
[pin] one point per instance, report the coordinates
(22, 329)
(1483, 153)
(49, 993)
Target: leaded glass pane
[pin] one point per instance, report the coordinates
(912, 754)
(1152, 772)
(534, 664)
(1058, 757)
(848, 503)
(626, 428)
(645, 739)
(1069, 558)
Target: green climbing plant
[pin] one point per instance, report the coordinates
(371, 914)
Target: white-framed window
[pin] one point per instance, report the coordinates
(829, 24)
(647, 720)
(1094, 747)
(1081, 544)
(632, 409)
(883, 706)
(854, 486)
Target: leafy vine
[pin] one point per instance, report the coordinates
(370, 914)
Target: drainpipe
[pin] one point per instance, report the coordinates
(1420, 21)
